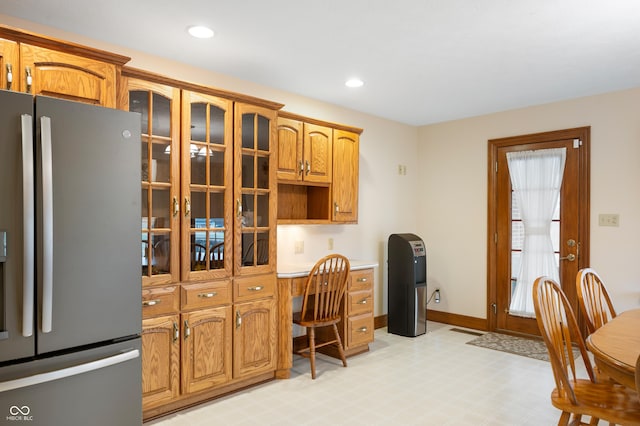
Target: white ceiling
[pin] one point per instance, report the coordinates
(423, 61)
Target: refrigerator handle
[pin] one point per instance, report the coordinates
(47, 224)
(37, 379)
(28, 226)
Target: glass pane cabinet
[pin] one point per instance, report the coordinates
(255, 183)
(207, 155)
(159, 108)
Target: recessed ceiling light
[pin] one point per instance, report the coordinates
(200, 31)
(354, 82)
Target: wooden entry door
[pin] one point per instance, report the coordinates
(571, 224)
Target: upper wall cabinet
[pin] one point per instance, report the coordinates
(46, 66)
(9, 63)
(344, 191)
(304, 151)
(317, 171)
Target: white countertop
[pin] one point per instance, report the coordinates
(294, 270)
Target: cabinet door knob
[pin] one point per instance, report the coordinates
(9, 76)
(29, 79)
(151, 302)
(208, 295)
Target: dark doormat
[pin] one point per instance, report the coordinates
(531, 348)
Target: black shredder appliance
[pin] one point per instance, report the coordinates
(407, 285)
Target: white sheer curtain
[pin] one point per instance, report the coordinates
(536, 177)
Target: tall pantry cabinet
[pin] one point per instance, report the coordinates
(208, 240)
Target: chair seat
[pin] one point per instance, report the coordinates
(613, 402)
(310, 322)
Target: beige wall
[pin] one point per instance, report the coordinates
(443, 196)
(453, 194)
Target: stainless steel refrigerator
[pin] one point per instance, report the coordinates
(70, 296)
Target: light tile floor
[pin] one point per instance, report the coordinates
(433, 379)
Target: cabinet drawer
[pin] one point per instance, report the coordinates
(202, 295)
(359, 302)
(361, 280)
(360, 330)
(253, 288)
(160, 301)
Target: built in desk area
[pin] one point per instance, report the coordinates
(357, 326)
(616, 346)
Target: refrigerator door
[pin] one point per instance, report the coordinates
(98, 387)
(88, 216)
(16, 277)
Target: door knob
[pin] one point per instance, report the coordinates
(570, 257)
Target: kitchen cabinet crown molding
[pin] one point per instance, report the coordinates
(22, 36)
(311, 120)
(194, 87)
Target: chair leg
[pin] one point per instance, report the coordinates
(340, 348)
(564, 419)
(312, 350)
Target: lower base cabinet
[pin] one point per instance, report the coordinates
(227, 343)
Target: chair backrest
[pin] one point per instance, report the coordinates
(560, 332)
(594, 299)
(325, 288)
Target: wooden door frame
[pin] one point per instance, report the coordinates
(581, 133)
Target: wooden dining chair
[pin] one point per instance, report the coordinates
(593, 299)
(323, 295)
(606, 400)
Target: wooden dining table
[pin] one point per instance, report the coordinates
(616, 346)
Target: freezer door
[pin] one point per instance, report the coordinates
(88, 175)
(16, 278)
(99, 387)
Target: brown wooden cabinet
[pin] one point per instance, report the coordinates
(47, 66)
(304, 151)
(317, 171)
(344, 190)
(357, 326)
(160, 360)
(9, 64)
(255, 334)
(209, 230)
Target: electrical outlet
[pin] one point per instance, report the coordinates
(608, 219)
(299, 247)
(330, 244)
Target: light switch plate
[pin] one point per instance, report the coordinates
(609, 219)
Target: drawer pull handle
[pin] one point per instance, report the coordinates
(362, 329)
(362, 280)
(151, 302)
(208, 295)
(362, 302)
(255, 288)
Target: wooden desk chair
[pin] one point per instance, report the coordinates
(608, 401)
(593, 299)
(323, 295)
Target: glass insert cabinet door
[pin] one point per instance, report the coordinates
(206, 167)
(254, 189)
(159, 108)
